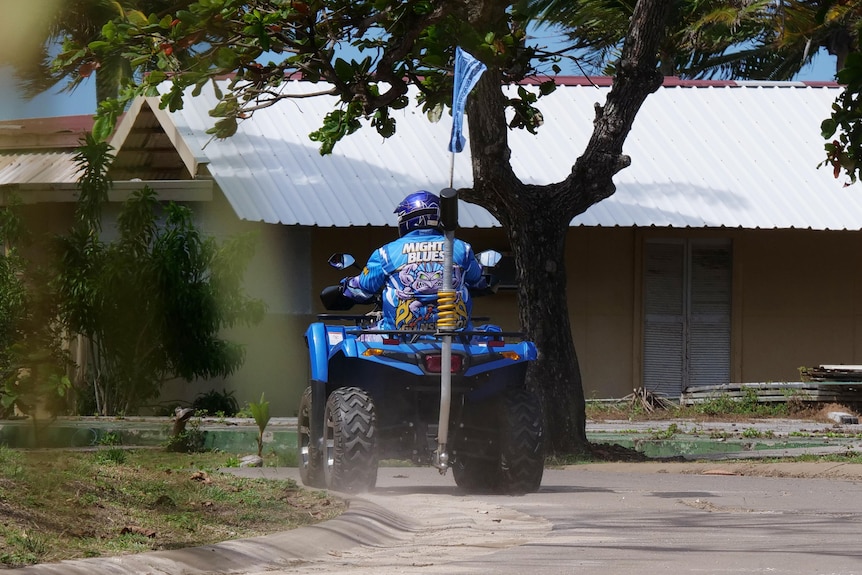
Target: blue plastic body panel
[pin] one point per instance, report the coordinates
(326, 341)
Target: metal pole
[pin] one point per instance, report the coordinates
(449, 221)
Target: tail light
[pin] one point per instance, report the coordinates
(434, 363)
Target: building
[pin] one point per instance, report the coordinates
(725, 255)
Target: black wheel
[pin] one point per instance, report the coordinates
(350, 441)
(522, 459)
(476, 465)
(476, 475)
(310, 459)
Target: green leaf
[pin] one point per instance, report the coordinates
(136, 18)
(343, 70)
(103, 127)
(547, 87)
(156, 77)
(226, 58)
(224, 108)
(224, 128)
(828, 128)
(139, 61)
(435, 113)
(172, 99)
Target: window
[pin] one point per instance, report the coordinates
(687, 288)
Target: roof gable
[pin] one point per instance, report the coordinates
(37, 157)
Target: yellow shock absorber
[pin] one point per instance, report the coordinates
(446, 316)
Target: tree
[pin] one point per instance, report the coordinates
(804, 26)
(738, 39)
(152, 303)
(264, 43)
(78, 22)
(843, 129)
(32, 362)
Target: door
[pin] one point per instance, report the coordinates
(687, 287)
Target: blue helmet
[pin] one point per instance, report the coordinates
(418, 210)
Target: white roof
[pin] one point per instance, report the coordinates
(38, 168)
(703, 155)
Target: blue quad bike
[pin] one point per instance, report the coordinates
(376, 395)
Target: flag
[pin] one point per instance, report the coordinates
(467, 72)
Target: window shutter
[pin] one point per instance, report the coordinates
(687, 307)
(709, 321)
(664, 341)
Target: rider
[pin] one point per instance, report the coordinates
(409, 270)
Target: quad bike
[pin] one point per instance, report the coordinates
(385, 394)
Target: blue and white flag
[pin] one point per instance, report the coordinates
(467, 72)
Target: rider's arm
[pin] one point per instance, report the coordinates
(365, 287)
(477, 283)
(472, 269)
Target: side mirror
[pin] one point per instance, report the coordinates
(341, 261)
(489, 258)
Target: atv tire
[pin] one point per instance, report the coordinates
(522, 459)
(310, 459)
(350, 441)
(476, 467)
(475, 475)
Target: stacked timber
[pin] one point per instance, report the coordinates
(831, 373)
(844, 392)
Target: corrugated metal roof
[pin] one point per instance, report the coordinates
(41, 150)
(38, 168)
(703, 155)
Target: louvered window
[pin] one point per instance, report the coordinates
(687, 289)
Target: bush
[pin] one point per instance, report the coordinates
(216, 403)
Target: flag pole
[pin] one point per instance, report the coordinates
(452, 170)
(467, 73)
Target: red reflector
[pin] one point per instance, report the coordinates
(389, 341)
(496, 343)
(434, 363)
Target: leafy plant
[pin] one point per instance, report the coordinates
(151, 303)
(110, 438)
(111, 455)
(27, 547)
(191, 440)
(260, 412)
(213, 402)
(668, 433)
(32, 363)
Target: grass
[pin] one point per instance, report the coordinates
(721, 408)
(850, 457)
(57, 504)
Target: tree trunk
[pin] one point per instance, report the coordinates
(536, 221)
(537, 218)
(538, 242)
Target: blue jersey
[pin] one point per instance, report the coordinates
(409, 272)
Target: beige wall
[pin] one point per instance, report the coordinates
(794, 302)
(600, 263)
(276, 356)
(798, 301)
